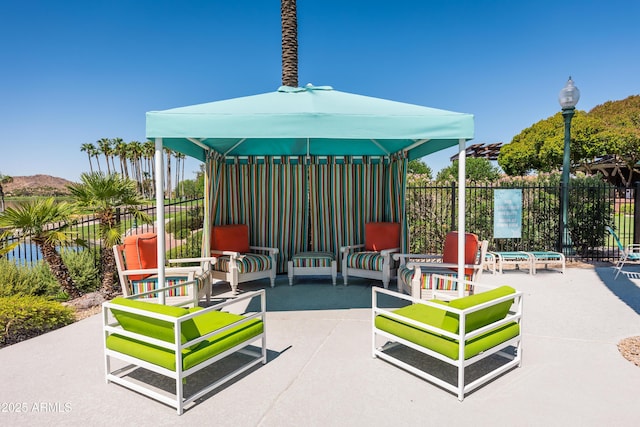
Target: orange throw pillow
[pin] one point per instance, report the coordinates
(471, 246)
(381, 235)
(141, 252)
(233, 238)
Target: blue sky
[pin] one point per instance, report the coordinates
(73, 72)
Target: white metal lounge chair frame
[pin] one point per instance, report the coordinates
(461, 388)
(179, 400)
(432, 264)
(516, 258)
(629, 253)
(548, 258)
(200, 273)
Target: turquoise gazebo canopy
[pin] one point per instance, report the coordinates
(311, 120)
(287, 201)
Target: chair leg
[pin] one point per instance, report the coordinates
(290, 272)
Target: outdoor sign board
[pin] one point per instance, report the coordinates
(507, 214)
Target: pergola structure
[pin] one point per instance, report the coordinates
(485, 151)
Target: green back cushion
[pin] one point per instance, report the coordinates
(195, 354)
(159, 329)
(450, 322)
(486, 316)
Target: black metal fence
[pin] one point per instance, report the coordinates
(431, 213)
(181, 218)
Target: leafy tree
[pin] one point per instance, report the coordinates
(612, 128)
(419, 167)
(621, 130)
(39, 220)
(477, 169)
(103, 194)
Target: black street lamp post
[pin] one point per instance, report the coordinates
(568, 98)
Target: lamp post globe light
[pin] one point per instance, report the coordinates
(568, 98)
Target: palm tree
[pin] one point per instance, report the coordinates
(4, 179)
(4, 247)
(104, 144)
(168, 177)
(134, 153)
(289, 43)
(88, 148)
(46, 223)
(121, 150)
(149, 151)
(103, 194)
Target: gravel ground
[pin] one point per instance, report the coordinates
(630, 349)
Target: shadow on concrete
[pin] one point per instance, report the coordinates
(626, 287)
(310, 293)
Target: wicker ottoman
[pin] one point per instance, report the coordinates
(312, 264)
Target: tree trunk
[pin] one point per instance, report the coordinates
(58, 268)
(168, 189)
(289, 43)
(110, 286)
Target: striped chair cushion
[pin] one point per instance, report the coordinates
(248, 263)
(405, 274)
(312, 259)
(150, 284)
(429, 282)
(365, 261)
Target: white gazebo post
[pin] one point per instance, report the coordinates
(160, 217)
(462, 187)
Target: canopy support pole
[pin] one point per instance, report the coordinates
(462, 194)
(160, 216)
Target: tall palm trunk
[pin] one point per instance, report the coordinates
(110, 286)
(58, 268)
(90, 163)
(289, 43)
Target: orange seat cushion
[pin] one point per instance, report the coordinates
(233, 238)
(381, 235)
(450, 251)
(141, 252)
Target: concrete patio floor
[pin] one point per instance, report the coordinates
(320, 371)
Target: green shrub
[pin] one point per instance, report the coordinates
(37, 279)
(627, 208)
(185, 222)
(83, 270)
(190, 249)
(24, 316)
(26, 280)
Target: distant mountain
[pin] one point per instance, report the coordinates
(37, 185)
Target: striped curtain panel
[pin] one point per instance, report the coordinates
(344, 194)
(315, 207)
(269, 195)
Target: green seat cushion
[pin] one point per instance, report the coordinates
(195, 354)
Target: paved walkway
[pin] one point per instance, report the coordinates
(320, 371)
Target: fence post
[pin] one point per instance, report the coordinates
(453, 205)
(636, 213)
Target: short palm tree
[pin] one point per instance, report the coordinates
(46, 223)
(5, 247)
(102, 194)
